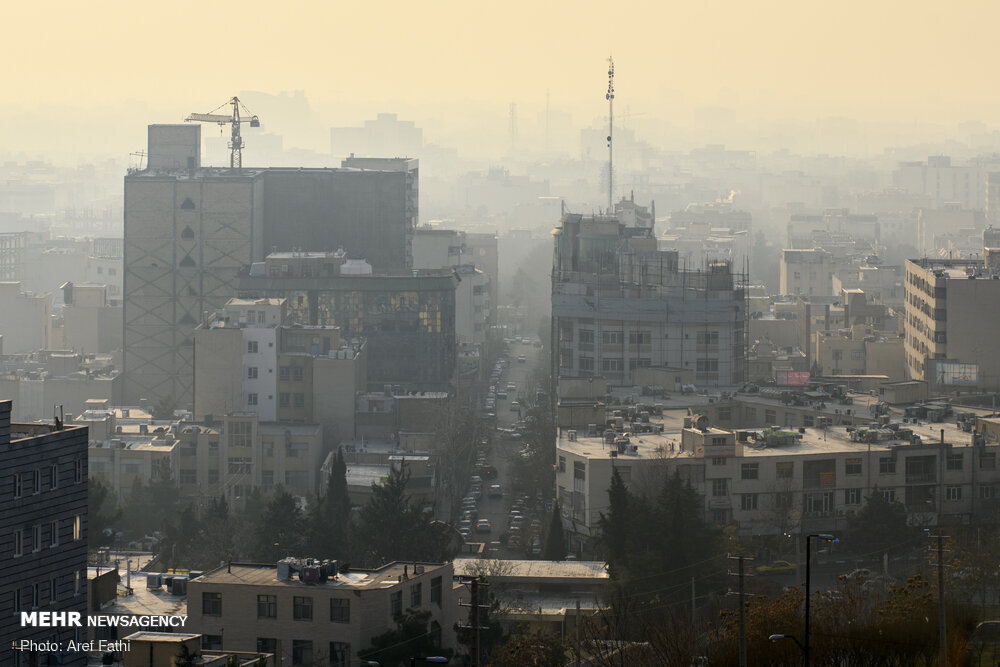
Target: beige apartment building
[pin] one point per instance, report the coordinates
(307, 615)
(771, 480)
(806, 272)
(952, 316)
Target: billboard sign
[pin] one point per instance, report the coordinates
(958, 374)
(792, 378)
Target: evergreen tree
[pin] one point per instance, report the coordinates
(879, 526)
(555, 541)
(616, 525)
(103, 514)
(329, 517)
(278, 530)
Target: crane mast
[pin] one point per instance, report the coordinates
(236, 142)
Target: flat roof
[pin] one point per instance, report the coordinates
(267, 575)
(590, 570)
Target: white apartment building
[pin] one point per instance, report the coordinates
(770, 481)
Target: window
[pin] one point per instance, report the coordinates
(213, 476)
(36, 595)
(720, 487)
(708, 338)
(302, 608)
(340, 654)
(36, 481)
(638, 338)
(988, 461)
(953, 493)
(251, 347)
(76, 583)
(579, 470)
(562, 464)
(955, 461)
(297, 374)
(718, 460)
(18, 543)
(340, 610)
(784, 469)
(211, 642)
(396, 603)
(988, 491)
(36, 537)
(784, 500)
(53, 477)
(586, 363)
(748, 501)
(54, 533)
(18, 485)
(769, 417)
(252, 398)
(708, 366)
(283, 400)
(267, 645)
(612, 365)
(78, 471)
(283, 373)
(267, 606)
(17, 600)
(852, 496)
(725, 414)
(749, 470)
(889, 495)
(886, 466)
(299, 400)
(416, 595)
(251, 372)
(852, 466)
(53, 597)
(189, 476)
(587, 336)
(267, 478)
(77, 527)
(611, 337)
(211, 604)
(436, 591)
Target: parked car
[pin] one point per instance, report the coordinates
(777, 567)
(521, 358)
(515, 406)
(484, 526)
(501, 394)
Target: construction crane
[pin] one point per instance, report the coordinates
(235, 141)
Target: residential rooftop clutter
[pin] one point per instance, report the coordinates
(778, 461)
(308, 610)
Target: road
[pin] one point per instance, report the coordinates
(502, 451)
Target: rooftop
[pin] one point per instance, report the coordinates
(267, 575)
(508, 570)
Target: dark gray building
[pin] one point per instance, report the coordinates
(43, 534)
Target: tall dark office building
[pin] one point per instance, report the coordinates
(43, 534)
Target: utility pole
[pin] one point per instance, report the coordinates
(474, 625)
(610, 97)
(743, 621)
(577, 633)
(942, 625)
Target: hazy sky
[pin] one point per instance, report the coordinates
(910, 60)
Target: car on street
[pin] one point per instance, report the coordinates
(496, 491)
(484, 526)
(521, 358)
(777, 567)
(501, 393)
(511, 386)
(515, 406)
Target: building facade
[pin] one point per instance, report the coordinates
(43, 533)
(619, 304)
(321, 620)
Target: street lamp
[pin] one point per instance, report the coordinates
(775, 638)
(826, 537)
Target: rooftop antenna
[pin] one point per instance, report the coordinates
(610, 97)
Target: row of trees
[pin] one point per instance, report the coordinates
(271, 526)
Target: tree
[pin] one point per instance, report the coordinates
(103, 512)
(538, 649)
(880, 526)
(555, 541)
(329, 517)
(391, 528)
(278, 531)
(414, 635)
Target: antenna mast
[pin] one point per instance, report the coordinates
(610, 97)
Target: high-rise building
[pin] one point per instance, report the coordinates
(43, 533)
(620, 305)
(189, 231)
